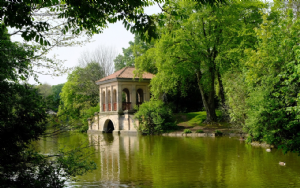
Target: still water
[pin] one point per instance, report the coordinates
(157, 161)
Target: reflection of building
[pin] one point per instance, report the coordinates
(120, 92)
(116, 152)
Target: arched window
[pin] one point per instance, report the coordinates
(139, 97)
(125, 99)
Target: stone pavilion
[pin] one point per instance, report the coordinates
(119, 93)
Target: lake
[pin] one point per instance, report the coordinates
(159, 161)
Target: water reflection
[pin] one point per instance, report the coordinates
(156, 161)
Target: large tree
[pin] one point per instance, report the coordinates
(272, 81)
(22, 121)
(75, 16)
(136, 48)
(102, 55)
(198, 44)
(80, 93)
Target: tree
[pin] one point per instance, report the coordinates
(136, 48)
(198, 45)
(103, 55)
(45, 90)
(22, 121)
(55, 98)
(272, 81)
(80, 93)
(75, 16)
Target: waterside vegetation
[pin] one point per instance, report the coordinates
(240, 57)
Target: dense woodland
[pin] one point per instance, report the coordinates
(240, 57)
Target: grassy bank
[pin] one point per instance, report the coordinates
(194, 121)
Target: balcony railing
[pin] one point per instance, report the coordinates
(139, 103)
(110, 107)
(126, 105)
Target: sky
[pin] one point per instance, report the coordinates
(114, 36)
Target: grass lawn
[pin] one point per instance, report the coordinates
(194, 121)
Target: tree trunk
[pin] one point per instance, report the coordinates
(221, 89)
(208, 101)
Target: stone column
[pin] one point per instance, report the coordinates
(119, 98)
(111, 98)
(133, 97)
(106, 101)
(101, 100)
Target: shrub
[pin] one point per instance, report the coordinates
(155, 117)
(199, 131)
(187, 131)
(89, 113)
(217, 132)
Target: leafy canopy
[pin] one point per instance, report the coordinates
(78, 16)
(197, 44)
(22, 121)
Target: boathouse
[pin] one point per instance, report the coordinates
(119, 93)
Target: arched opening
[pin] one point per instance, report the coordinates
(139, 97)
(125, 99)
(103, 101)
(108, 126)
(115, 100)
(109, 100)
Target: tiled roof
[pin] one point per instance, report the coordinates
(126, 72)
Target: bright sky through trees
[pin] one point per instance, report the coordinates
(114, 36)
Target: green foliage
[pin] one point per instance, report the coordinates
(187, 131)
(135, 49)
(74, 162)
(154, 117)
(14, 61)
(275, 118)
(44, 90)
(191, 118)
(79, 94)
(89, 113)
(263, 91)
(197, 45)
(22, 121)
(54, 100)
(51, 95)
(199, 131)
(218, 132)
(237, 93)
(90, 16)
(78, 16)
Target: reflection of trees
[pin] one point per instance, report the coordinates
(156, 161)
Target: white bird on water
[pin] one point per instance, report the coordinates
(282, 163)
(269, 149)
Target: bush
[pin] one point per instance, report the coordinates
(199, 131)
(218, 133)
(89, 113)
(187, 131)
(155, 117)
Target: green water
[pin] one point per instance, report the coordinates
(157, 161)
